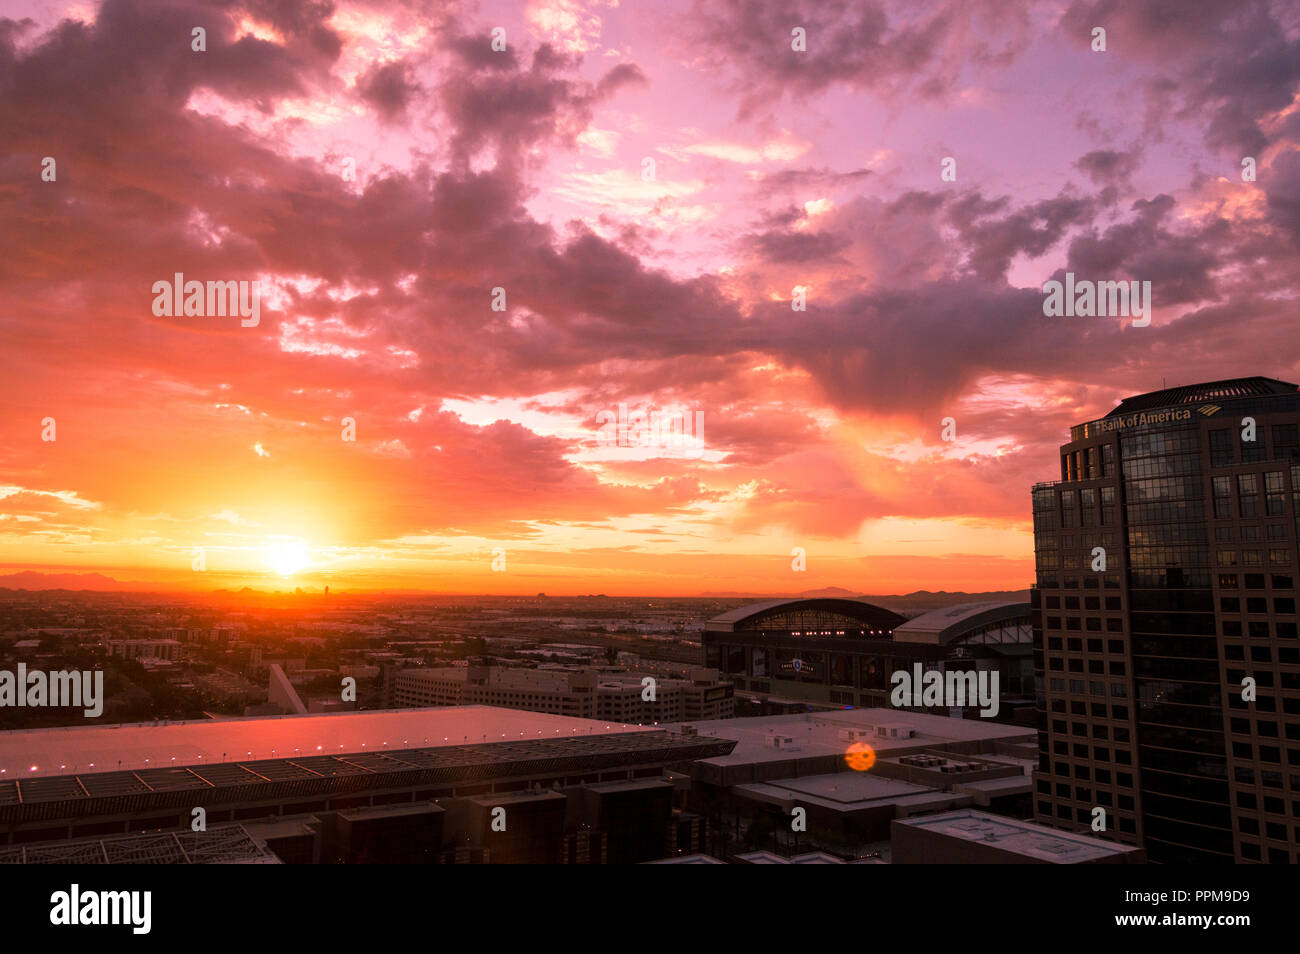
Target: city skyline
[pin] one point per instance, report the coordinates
(464, 261)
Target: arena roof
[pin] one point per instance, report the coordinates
(946, 625)
(752, 615)
(1229, 390)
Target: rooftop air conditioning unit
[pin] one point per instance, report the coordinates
(895, 731)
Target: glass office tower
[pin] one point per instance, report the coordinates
(1166, 565)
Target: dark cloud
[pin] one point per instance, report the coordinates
(1111, 169)
(796, 247)
(1282, 186)
(514, 109)
(1231, 62)
(861, 44)
(1032, 230)
(389, 88)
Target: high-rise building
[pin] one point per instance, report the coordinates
(1165, 625)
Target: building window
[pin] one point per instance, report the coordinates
(1221, 448)
(1286, 441)
(1248, 490)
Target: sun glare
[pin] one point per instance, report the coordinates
(288, 557)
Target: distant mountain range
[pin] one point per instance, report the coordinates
(921, 601)
(918, 602)
(31, 580)
(840, 593)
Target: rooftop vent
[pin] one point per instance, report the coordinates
(895, 730)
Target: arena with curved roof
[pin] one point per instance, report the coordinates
(995, 622)
(806, 653)
(809, 616)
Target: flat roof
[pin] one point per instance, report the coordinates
(149, 745)
(1022, 837)
(223, 844)
(363, 813)
(84, 794)
(818, 733)
(531, 795)
(843, 791)
(627, 785)
(688, 860)
(995, 786)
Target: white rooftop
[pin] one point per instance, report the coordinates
(94, 747)
(842, 791)
(1022, 837)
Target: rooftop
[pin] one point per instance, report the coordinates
(35, 753)
(947, 623)
(1231, 389)
(804, 613)
(818, 733)
(845, 792)
(226, 844)
(771, 858)
(444, 764)
(688, 860)
(1022, 837)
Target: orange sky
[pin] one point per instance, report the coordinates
(650, 191)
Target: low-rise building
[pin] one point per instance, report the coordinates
(625, 697)
(169, 649)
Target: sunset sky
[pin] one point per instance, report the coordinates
(478, 430)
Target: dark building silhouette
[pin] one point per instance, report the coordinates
(1166, 566)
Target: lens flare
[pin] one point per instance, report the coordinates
(860, 757)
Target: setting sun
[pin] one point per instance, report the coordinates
(288, 557)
